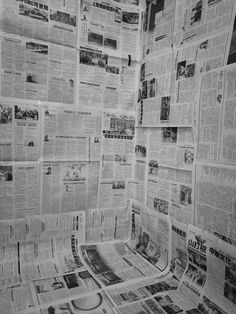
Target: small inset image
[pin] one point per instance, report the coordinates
(169, 134)
(165, 108)
(6, 173)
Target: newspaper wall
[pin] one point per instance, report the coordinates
(32, 69)
(54, 21)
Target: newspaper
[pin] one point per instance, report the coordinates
(114, 263)
(49, 20)
(196, 19)
(19, 130)
(150, 236)
(141, 143)
(156, 90)
(42, 227)
(215, 193)
(97, 303)
(170, 192)
(141, 289)
(32, 69)
(105, 81)
(171, 147)
(178, 249)
(107, 224)
(117, 159)
(111, 26)
(19, 191)
(68, 186)
(158, 27)
(71, 134)
(209, 279)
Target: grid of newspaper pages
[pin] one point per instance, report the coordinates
(117, 156)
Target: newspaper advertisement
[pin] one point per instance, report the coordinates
(105, 81)
(117, 159)
(215, 199)
(150, 236)
(49, 20)
(113, 263)
(68, 186)
(196, 19)
(158, 27)
(20, 131)
(19, 193)
(107, 224)
(171, 147)
(170, 191)
(71, 134)
(37, 70)
(110, 26)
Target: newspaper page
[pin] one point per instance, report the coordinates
(178, 248)
(37, 70)
(215, 199)
(142, 289)
(68, 186)
(71, 134)
(94, 303)
(172, 147)
(158, 27)
(105, 81)
(37, 227)
(150, 236)
(228, 138)
(156, 91)
(20, 130)
(196, 273)
(19, 191)
(219, 293)
(216, 140)
(117, 159)
(141, 146)
(196, 19)
(210, 115)
(114, 263)
(111, 26)
(107, 224)
(170, 191)
(49, 20)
